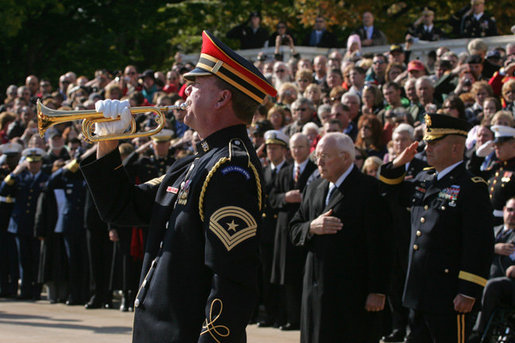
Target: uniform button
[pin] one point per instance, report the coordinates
(136, 303)
(422, 220)
(419, 233)
(495, 181)
(443, 208)
(264, 215)
(497, 174)
(446, 271)
(426, 207)
(275, 216)
(491, 196)
(415, 247)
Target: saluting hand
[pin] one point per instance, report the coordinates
(325, 224)
(406, 156)
(463, 304)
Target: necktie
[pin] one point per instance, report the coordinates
(332, 187)
(297, 174)
(502, 235)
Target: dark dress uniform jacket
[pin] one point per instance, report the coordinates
(451, 236)
(501, 183)
(288, 260)
(342, 269)
(25, 188)
(200, 266)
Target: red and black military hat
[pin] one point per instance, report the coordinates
(218, 59)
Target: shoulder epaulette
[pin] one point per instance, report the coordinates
(477, 179)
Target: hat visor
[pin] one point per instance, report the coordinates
(33, 158)
(500, 140)
(190, 76)
(275, 141)
(428, 137)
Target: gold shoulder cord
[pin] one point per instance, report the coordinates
(215, 168)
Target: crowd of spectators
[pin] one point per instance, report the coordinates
(379, 100)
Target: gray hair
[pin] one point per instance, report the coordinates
(350, 95)
(404, 128)
(423, 79)
(342, 142)
(303, 101)
(322, 109)
(310, 126)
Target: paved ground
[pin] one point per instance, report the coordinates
(24, 322)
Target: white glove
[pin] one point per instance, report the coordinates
(113, 109)
(485, 149)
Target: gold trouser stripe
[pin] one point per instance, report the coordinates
(461, 327)
(472, 278)
(392, 181)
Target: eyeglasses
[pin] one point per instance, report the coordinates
(509, 209)
(378, 62)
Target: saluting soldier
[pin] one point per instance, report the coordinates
(24, 185)
(70, 190)
(276, 143)
(162, 157)
(501, 178)
(451, 233)
(199, 277)
(477, 23)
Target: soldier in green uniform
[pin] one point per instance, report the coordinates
(451, 233)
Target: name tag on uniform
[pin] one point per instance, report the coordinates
(173, 190)
(507, 176)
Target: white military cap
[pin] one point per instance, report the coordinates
(503, 133)
(276, 137)
(10, 148)
(33, 154)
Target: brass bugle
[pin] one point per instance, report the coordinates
(48, 117)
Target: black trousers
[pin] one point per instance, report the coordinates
(100, 253)
(438, 328)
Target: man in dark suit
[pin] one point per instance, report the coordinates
(320, 37)
(276, 143)
(451, 233)
(344, 223)
(250, 34)
(500, 289)
(368, 33)
(288, 263)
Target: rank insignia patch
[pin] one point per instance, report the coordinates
(232, 225)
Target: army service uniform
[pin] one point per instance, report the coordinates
(200, 266)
